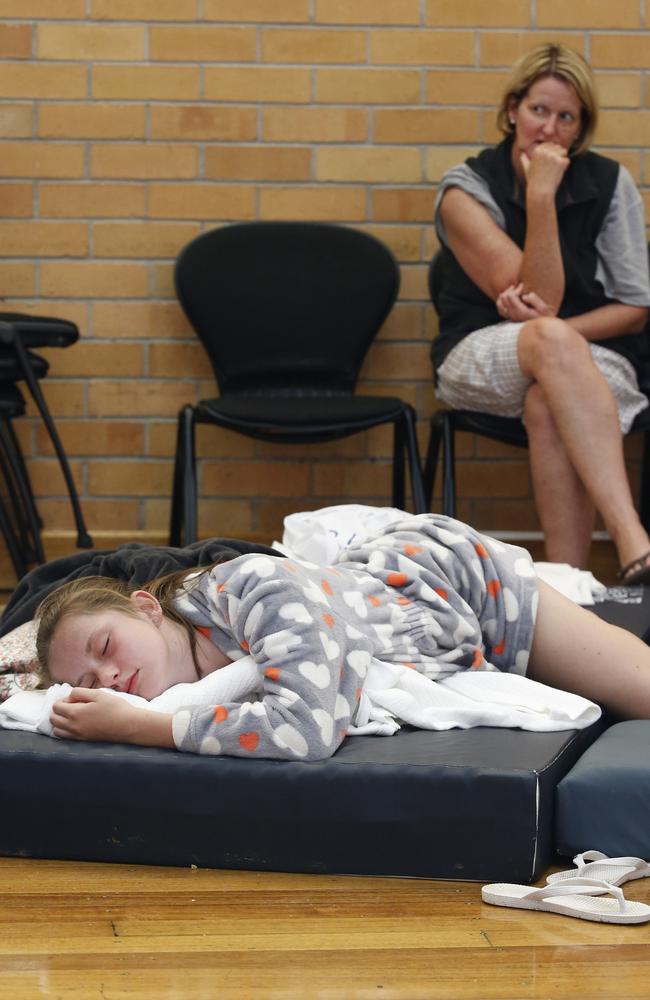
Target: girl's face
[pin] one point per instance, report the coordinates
(550, 111)
(142, 654)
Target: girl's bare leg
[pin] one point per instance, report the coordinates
(575, 650)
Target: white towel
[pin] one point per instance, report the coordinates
(393, 694)
(320, 536)
(578, 585)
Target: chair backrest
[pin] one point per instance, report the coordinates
(286, 304)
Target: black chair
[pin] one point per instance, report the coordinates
(446, 422)
(19, 333)
(286, 312)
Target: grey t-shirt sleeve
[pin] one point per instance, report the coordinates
(622, 248)
(464, 177)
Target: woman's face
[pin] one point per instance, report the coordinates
(117, 650)
(550, 111)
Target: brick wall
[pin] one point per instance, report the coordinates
(128, 126)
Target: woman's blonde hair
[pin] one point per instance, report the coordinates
(90, 594)
(564, 64)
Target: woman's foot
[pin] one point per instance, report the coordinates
(636, 572)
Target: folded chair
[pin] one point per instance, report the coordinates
(446, 422)
(18, 334)
(286, 312)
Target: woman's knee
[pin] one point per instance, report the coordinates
(550, 343)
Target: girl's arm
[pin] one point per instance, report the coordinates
(94, 715)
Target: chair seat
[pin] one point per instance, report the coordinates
(304, 416)
(42, 331)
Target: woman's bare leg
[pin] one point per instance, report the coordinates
(585, 413)
(565, 509)
(575, 650)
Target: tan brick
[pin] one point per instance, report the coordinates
(41, 159)
(44, 8)
(315, 124)
(312, 45)
(15, 41)
(623, 128)
(329, 204)
(257, 83)
(352, 447)
(277, 11)
(104, 437)
(442, 158)
(17, 200)
(91, 200)
(144, 83)
(620, 51)
(149, 160)
(162, 280)
(210, 441)
(225, 518)
(104, 280)
(81, 121)
(195, 121)
(414, 284)
(279, 163)
(231, 479)
(619, 89)
(368, 12)
(358, 480)
(64, 399)
(590, 14)
(16, 121)
(404, 241)
(503, 48)
(397, 361)
(404, 322)
(139, 397)
(465, 86)
(485, 479)
(137, 478)
(426, 125)
(368, 164)
(180, 360)
(144, 10)
(42, 80)
(142, 239)
(100, 515)
(477, 13)
(202, 43)
(403, 204)
(97, 360)
(368, 86)
(47, 479)
(201, 201)
(17, 279)
(139, 319)
(422, 47)
(90, 41)
(44, 239)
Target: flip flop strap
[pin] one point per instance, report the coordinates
(592, 856)
(579, 887)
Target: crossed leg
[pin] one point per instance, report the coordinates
(576, 446)
(576, 651)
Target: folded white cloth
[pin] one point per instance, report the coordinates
(393, 694)
(320, 536)
(578, 585)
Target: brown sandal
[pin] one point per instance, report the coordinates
(636, 572)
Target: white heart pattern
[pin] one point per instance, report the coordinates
(295, 612)
(325, 724)
(313, 592)
(262, 565)
(331, 647)
(359, 660)
(279, 643)
(355, 600)
(316, 673)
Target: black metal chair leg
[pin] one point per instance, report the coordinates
(188, 473)
(21, 495)
(644, 498)
(399, 486)
(13, 548)
(448, 465)
(418, 493)
(84, 541)
(176, 518)
(433, 453)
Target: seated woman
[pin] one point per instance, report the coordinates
(428, 592)
(544, 298)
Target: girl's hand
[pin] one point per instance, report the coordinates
(95, 715)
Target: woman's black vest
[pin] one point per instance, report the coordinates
(582, 202)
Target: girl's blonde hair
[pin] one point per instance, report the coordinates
(564, 64)
(90, 594)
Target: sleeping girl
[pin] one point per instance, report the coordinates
(428, 592)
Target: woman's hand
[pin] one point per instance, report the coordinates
(518, 306)
(95, 715)
(545, 168)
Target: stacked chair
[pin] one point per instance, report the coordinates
(20, 523)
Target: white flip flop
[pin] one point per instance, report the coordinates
(581, 898)
(594, 864)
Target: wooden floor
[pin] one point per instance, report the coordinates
(79, 931)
